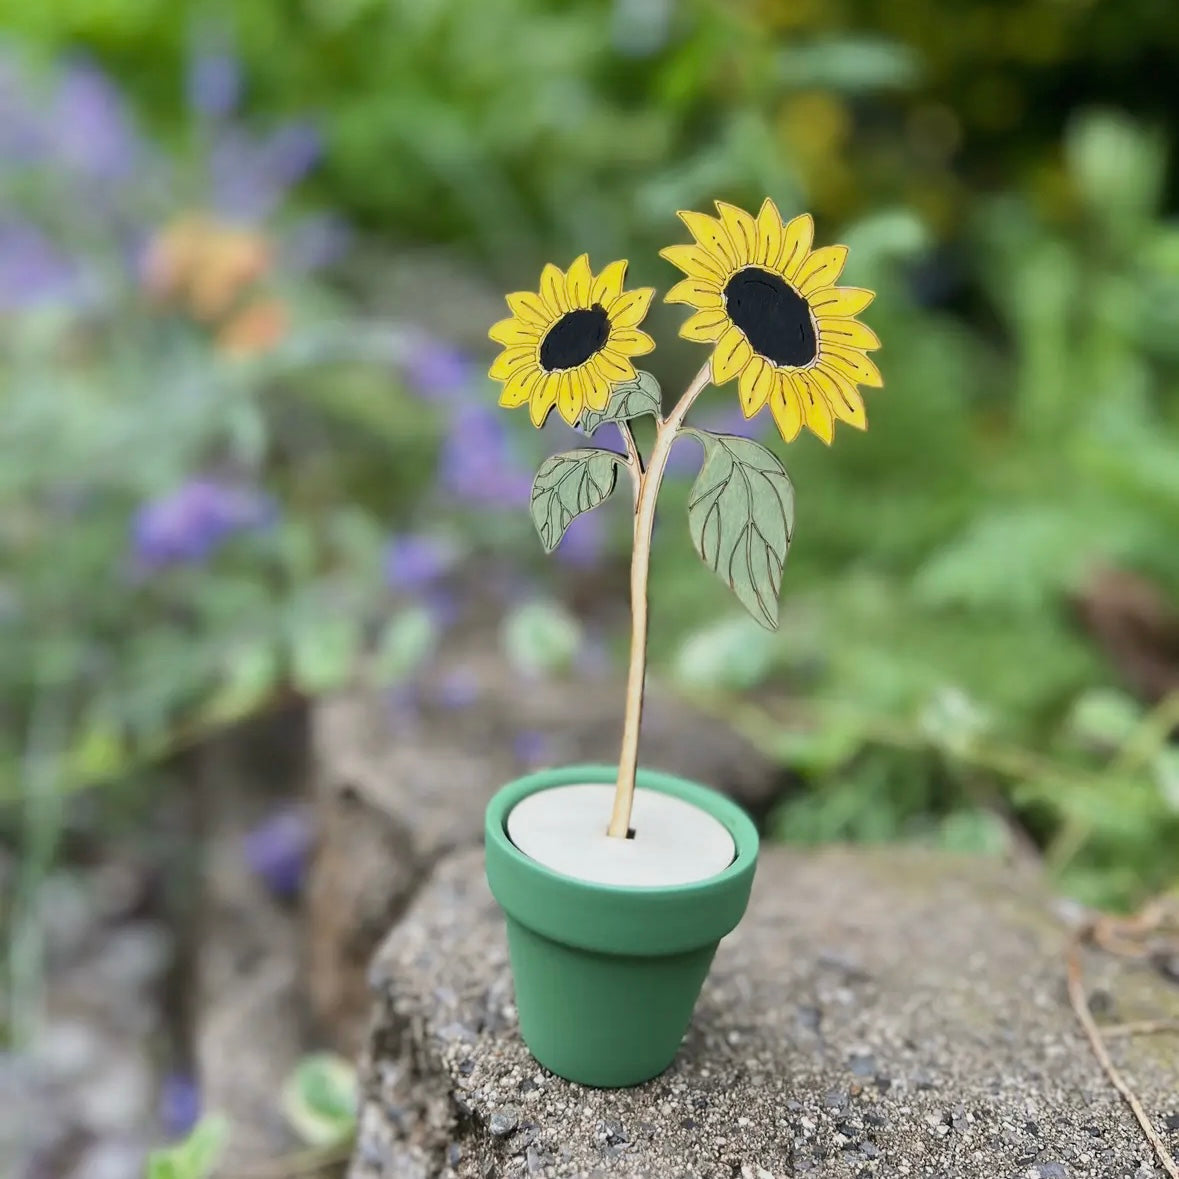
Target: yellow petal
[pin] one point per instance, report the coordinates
(529, 307)
(754, 385)
(629, 310)
(630, 342)
(512, 331)
(519, 387)
(613, 366)
(552, 289)
(847, 333)
(696, 292)
(710, 235)
(569, 395)
(742, 231)
(731, 354)
(796, 241)
(786, 407)
(851, 364)
(769, 234)
(840, 300)
(821, 269)
(608, 284)
(544, 397)
(705, 326)
(815, 409)
(696, 263)
(597, 387)
(579, 282)
(511, 360)
(842, 396)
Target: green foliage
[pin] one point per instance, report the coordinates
(194, 1158)
(567, 485)
(320, 1100)
(628, 400)
(740, 515)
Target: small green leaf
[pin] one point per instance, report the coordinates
(741, 517)
(567, 485)
(730, 654)
(320, 1099)
(541, 637)
(252, 671)
(195, 1157)
(324, 652)
(406, 642)
(628, 399)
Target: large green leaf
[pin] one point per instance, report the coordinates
(741, 516)
(628, 399)
(567, 485)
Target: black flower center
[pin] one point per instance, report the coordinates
(775, 318)
(574, 338)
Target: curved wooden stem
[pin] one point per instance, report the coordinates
(640, 565)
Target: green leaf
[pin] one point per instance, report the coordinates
(196, 1156)
(324, 652)
(628, 399)
(729, 654)
(541, 637)
(320, 1099)
(567, 485)
(741, 517)
(406, 642)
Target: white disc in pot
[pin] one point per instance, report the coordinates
(674, 842)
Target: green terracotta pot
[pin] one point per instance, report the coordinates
(607, 976)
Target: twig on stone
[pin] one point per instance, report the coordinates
(1140, 1027)
(1080, 1005)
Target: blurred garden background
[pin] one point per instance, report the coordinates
(249, 455)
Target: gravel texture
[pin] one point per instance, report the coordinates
(878, 1013)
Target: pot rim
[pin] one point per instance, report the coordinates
(719, 806)
(617, 918)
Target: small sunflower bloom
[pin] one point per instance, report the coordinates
(769, 304)
(566, 344)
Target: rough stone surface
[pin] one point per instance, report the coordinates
(888, 1013)
(393, 793)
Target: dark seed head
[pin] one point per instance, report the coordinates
(775, 318)
(574, 338)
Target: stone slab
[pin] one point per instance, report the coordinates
(878, 1013)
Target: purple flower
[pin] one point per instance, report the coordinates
(276, 850)
(32, 270)
(250, 177)
(532, 748)
(214, 84)
(476, 463)
(413, 562)
(190, 523)
(179, 1104)
(436, 371)
(90, 128)
(457, 690)
(584, 539)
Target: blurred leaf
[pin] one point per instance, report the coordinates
(406, 642)
(567, 485)
(320, 1100)
(541, 637)
(850, 64)
(1102, 719)
(741, 515)
(952, 721)
(630, 399)
(249, 675)
(197, 1156)
(324, 653)
(730, 654)
(975, 831)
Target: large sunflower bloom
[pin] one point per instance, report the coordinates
(781, 326)
(567, 344)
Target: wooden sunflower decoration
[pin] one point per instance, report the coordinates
(768, 302)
